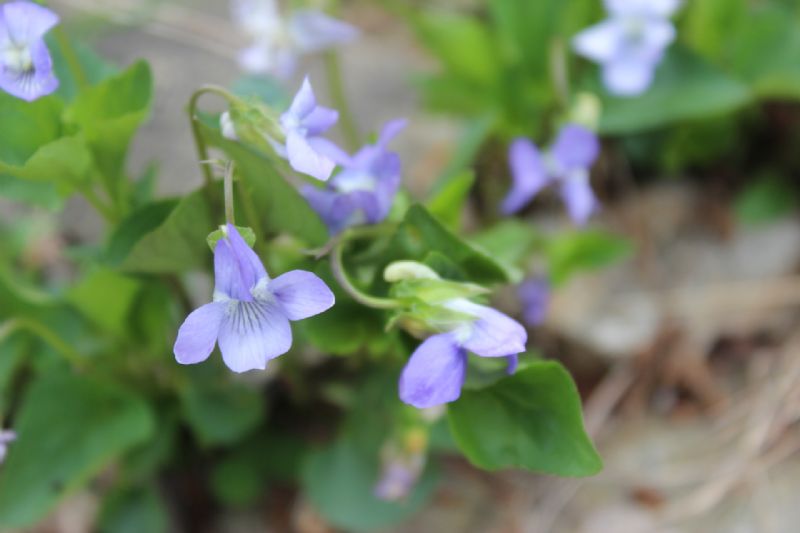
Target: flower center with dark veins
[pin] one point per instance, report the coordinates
(17, 59)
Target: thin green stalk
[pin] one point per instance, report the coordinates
(44, 333)
(336, 87)
(71, 58)
(199, 142)
(107, 212)
(337, 266)
(559, 72)
(230, 218)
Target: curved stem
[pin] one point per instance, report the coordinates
(199, 142)
(337, 266)
(228, 186)
(44, 333)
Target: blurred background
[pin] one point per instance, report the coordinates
(685, 348)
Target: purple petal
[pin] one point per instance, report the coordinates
(513, 363)
(25, 22)
(31, 85)
(434, 374)
(256, 17)
(319, 120)
(390, 130)
(628, 77)
(528, 174)
(313, 31)
(534, 294)
(577, 194)
(331, 150)
(601, 42)
(198, 333)
(493, 334)
(256, 58)
(575, 147)
(303, 103)
(301, 294)
(237, 268)
(253, 333)
(303, 158)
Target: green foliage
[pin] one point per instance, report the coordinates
(134, 510)
(105, 297)
(569, 253)
(530, 420)
(764, 200)
(69, 427)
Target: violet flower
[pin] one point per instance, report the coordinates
(630, 44)
(437, 369)
(302, 124)
(278, 41)
(534, 294)
(398, 477)
(250, 313)
(26, 68)
(6, 437)
(363, 192)
(567, 163)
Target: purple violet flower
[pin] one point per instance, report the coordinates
(250, 313)
(534, 294)
(303, 123)
(567, 162)
(6, 437)
(630, 44)
(26, 68)
(363, 192)
(398, 477)
(436, 370)
(278, 40)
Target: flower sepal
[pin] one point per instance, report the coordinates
(247, 234)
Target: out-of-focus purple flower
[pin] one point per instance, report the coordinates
(26, 68)
(278, 40)
(363, 192)
(250, 313)
(398, 477)
(226, 126)
(534, 294)
(567, 163)
(436, 370)
(629, 44)
(302, 124)
(6, 437)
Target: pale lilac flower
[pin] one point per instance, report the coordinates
(278, 40)
(534, 294)
(6, 437)
(437, 369)
(363, 192)
(566, 163)
(26, 68)
(250, 313)
(630, 44)
(398, 477)
(302, 124)
(227, 127)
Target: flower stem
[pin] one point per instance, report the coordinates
(337, 266)
(336, 87)
(71, 58)
(44, 333)
(228, 185)
(106, 211)
(559, 71)
(199, 142)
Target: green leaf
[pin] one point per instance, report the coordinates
(461, 43)
(766, 199)
(30, 192)
(221, 412)
(276, 203)
(247, 234)
(422, 234)
(105, 297)
(530, 420)
(569, 253)
(135, 226)
(65, 162)
(510, 241)
(178, 244)
(27, 126)
(109, 114)
(134, 510)
(69, 427)
(685, 87)
(94, 68)
(265, 88)
(447, 204)
(339, 481)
